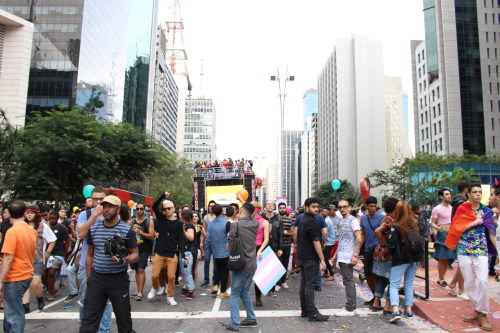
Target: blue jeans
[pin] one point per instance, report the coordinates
(187, 271)
(105, 325)
(397, 272)
(14, 317)
(208, 256)
(379, 290)
(240, 286)
(73, 289)
(319, 282)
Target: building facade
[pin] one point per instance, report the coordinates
(82, 49)
(310, 106)
(351, 112)
(16, 37)
(289, 160)
(199, 131)
(398, 147)
(271, 182)
(165, 103)
(456, 76)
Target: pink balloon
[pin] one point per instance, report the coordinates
(288, 209)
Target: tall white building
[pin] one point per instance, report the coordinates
(289, 189)
(199, 130)
(456, 78)
(351, 112)
(16, 37)
(165, 102)
(398, 147)
(271, 182)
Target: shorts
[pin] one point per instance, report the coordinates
(39, 268)
(368, 262)
(54, 262)
(143, 261)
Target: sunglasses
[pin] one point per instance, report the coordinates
(139, 209)
(343, 207)
(168, 208)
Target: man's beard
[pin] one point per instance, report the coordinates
(111, 218)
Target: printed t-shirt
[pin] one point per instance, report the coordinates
(473, 241)
(347, 240)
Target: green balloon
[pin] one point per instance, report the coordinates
(335, 184)
(87, 191)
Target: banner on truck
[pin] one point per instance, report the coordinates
(222, 193)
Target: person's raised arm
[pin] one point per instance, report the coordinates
(157, 203)
(83, 229)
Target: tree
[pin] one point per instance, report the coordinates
(93, 104)
(347, 191)
(9, 136)
(63, 150)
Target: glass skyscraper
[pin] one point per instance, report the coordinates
(310, 101)
(84, 48)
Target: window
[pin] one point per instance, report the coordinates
(494, 37)
(491, 105)
(488, 52)
(492, 124)
(484, 3)
(440, 128)
(419, 70)
(496, 54)
(491, 90)
(485, 18)
(496, 69)
(434, 111)
(439, 109)
(498, 88)
(493, 18)
(438, 92)
(423, 54)
(435, 129)
(423, 148)
(427, 132)
(427, 145)
(420, 87)
(489, 70)
(423, 138)
(422, 119)
(440, 144)
(426, 119)
(487, 37)
(494, 142)
(423, 70)
(433, 96)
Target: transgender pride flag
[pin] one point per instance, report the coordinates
(269, 271)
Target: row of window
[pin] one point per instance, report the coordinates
(435, 130)
(433, 114)
(493, 18)
(494, 36)
(437, 146)
(423, 56)
(488, 53)
(25, 10)
(492, 3)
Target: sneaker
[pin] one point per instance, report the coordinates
(171, 301)
(464, 296)
(205, 283)
(26, 308)
(284, 286)
(152, 293)
(345, 313)
(272, 294)
(472, 318)
(69, 298)
(215, 289)
(190, 295)
(442, 283)
(246, 323)
(230, 328)
(450, 290)
(277, 288)
(41, 303)
(184, 292)
(408, 314)
(138, 296)
(224, 295)
(228, 290)
(396, 316)
(161, 291)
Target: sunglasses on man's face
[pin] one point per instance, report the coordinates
(168, 208)
(139, 209)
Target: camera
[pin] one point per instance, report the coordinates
(115, 247)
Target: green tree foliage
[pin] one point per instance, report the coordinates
(63, 150)
(9, 136)
(418, 180)
(347, 191)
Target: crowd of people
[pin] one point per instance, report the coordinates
(92, 250)
(227, 164)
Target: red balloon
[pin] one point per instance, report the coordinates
(364, 186)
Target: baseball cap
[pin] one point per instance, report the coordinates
(332, 207)
(112, 199)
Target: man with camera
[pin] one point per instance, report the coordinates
(112, 246)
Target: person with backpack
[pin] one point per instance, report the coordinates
(407, 248)
(145, 234)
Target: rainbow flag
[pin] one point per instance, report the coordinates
(461, 220)
(269, 271)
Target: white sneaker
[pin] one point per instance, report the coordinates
(284, 286)
(228, 290)
(161, 291)
(277, 288)
(451, 291)
(463, 297)
(152, 293)
(171, 301)
(345, 313)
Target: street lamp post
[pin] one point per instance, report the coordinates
(282, 96)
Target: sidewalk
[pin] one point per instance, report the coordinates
(446, 310)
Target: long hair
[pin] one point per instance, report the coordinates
(38, 216)
(405, 218)
(187, 216)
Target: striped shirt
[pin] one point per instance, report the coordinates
(98, 235)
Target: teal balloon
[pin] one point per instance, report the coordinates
(87, 191)
(335, 184)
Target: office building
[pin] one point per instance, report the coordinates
(199, 131)
(310, 106)
(165, 103)
(398, 147)
(289, 139)
(456, 78)
(87, 48)
(271, 182)
(351, 112)
(16, 37)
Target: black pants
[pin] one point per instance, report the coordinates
(195, 258)
(100, 287)
(309, 275)
(222, 272)
(285, 258)
(326, 255)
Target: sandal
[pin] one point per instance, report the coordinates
(49, 297)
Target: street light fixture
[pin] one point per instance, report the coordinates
(282, 96)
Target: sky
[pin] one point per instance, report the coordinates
(243, 43)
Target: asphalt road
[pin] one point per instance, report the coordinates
(205, 313)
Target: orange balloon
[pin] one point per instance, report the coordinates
(131, 203)
(244, 194)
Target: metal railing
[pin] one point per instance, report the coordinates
(426, 274)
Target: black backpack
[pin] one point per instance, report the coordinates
(412, 248)
(237, 259)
